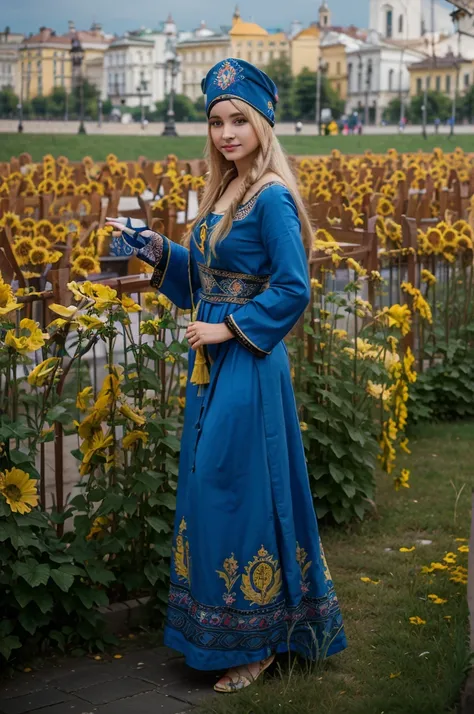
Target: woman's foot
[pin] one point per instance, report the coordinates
(243, 676)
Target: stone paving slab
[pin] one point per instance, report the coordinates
(145, 681)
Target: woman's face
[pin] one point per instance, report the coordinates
(231, 133)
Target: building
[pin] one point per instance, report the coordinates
(199, 50)
(334, 48)
(377, 73)
(441, 74)
(135, 66)
(45, 60)
(10, 43)
(253, 43)
(305, 50)
(409, 19)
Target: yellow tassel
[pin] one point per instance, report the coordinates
(200, 373)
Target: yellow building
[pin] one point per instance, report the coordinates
(441, 75)
(198, 53)
(253, 43)
(45, 59)
(305, 50)
(335, 62)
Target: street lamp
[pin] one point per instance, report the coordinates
(141, 89)
(172, 66)
(20, 103)
(322, 66)
(367, 90)
(77, 58)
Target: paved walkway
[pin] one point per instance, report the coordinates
(147, 681)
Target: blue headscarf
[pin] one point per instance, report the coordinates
(238, 79)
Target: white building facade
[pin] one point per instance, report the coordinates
(9, 65)
(409, 19)
(378, 73)
(136, 67)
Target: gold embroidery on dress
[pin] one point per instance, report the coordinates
(202, 237)
(327, 574)
(262, 580)
(301, 556)
(230, 576)
(181, 553)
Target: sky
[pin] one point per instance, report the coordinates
(117, 16)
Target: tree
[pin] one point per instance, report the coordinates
(391, 113)
(280, 72)
(438, 106)
(56, 102)
(305, 96)
(200, 107)
(8, 103)
(184, 109)
(467, 105)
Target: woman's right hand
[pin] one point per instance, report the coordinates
(134, 232)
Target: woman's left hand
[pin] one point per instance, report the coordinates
(206, 333)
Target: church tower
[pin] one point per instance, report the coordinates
(397, 19)
(324, 15)
(236, 16)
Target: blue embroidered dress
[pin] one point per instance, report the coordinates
(249, 576)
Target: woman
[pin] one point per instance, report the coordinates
(249, 578)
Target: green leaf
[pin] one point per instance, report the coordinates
(63, 579)
(7, 644)
(151, 572)
(349, 489)
(44, 600)
(172, 442)
(158, 524)
(99, 574)
(111, 503)
(19, 458)
(33, 572)
(29, 620)
(336, 472)
(166, 499)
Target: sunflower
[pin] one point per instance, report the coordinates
(21, 249)
(133, 437)
(434, 239)
(38, 256)
(463, 242)
(19, 490)
(41, 242)
(11, 220)
(26, 343)
(449, 235)
(8, 301)
(39, 375)
(60, 232)
(85, 264)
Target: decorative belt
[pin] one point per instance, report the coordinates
(224, 286)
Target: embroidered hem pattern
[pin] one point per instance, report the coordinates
(313, 625)
(243, 339)
(161, 266)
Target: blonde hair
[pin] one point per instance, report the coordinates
(270, 158)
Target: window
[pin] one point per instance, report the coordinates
(448, 83)
(400, 25)
(466, 80)
(428, 83)
(390, 80)
(338, 88)
(249, 56)
(418, 85)
(389, 23)
(338, 68)
(438, 83)
(260, 56)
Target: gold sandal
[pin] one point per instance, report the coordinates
(242, 681)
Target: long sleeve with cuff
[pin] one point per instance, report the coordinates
(262, 323)
(172, 270)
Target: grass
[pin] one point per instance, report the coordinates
(190, 147)
(431, 658)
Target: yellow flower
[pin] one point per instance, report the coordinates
(402, 480)
(369, 580)
(8, 302)
(183, 380)
(394, 675)
(85, 264)
(427, 277)
(26, 343)
(90, 322)
(407, 550)
(134, 416)
(19, 490)
(95, 446)
(435, 240)
(339, 333)
(378, 391)
(315, 284)
(83, 397)
(66, 312)
(357, 267)
(398, 316)
(41, 372)
(129, 304)
(463, 549)
(450, 558)
(417, 621)
(385, 207)
(133, 437)
(99, 529)
(303, 426)
(404, 446)
(163, 300)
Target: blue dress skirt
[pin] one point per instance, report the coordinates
(249, 576)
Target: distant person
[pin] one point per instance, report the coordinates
(437, 123)
(298, 127)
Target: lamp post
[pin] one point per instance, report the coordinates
(367, 90)
(172, 67)
(141, 90)
(321, 68)
(77, 58)
(20, 103)
(424, 108)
